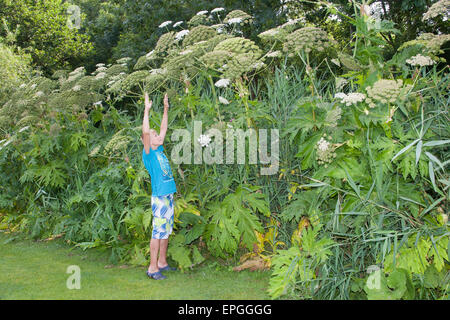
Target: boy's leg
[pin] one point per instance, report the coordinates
(162, 261)
(168, 215)
(154, 247)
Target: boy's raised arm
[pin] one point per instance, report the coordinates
(164, 121)
(145, 124)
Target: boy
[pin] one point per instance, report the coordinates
(163, 188)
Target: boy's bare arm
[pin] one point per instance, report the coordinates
(164, 121)
(145, 124)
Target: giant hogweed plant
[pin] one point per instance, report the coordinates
(363, 153)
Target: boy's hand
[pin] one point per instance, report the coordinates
(166, 101)
(148, 103)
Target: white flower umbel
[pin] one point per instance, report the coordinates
(420, 60)
(217, 10)
(99, 65)
(274, 54)
(100, 69)
(181, 34)
(165, 24)
(234, 20)
(176, 24)
(223, 100)
(222, 83)
(203, 12)
(76, 88)
(351, 98)
(204, 140)
(100, 75)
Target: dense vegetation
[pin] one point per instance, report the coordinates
(358, 207)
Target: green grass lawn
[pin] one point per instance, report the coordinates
(37, 270)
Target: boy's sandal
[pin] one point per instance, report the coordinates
(167, 268)
(156, 275)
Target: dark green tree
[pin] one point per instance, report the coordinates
(43, 32)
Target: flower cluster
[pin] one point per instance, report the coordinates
(223, 100)
(178, 23)
(198, 19)
(240, 64)
(165, 24)
(215, 58)
(118, 142)
(351, 98)
(273, 35)
(333, 117)
(180, 35)
(215, 10)
(165, 43)
(442, 7)
(238, 17)
(420, 60)
(238, 45)
(386, 91)
(325, 151)
(306, 39)
(197, 34)
(222, 83)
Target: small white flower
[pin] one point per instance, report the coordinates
(99, 65)
(420, 60)
(97, 103)
(23, 85)
(222, 83)
(217, 10)
(323, 144)
(202, 12)
(164, 24)
(258, 65)
(76, 88)
(351, 98)
(274, 54)
(176, 24)
(234, 20)
(340, 95)
(99, 69)
(33, 86)
(181, 34)
(100, 75)
(39, 94)
(204, 140)
(223, 100)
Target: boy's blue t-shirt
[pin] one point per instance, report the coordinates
(161, 175)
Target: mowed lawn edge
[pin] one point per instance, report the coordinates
(38, 270)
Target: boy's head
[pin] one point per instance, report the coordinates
(155, 139)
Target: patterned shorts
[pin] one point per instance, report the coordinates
(162, 208)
